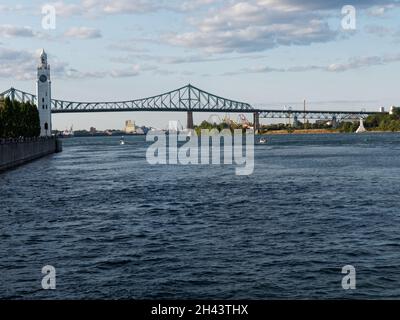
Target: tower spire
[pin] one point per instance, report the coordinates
(43, 57)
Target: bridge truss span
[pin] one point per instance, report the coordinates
(315, 115)
(187, 98)
(15, 94)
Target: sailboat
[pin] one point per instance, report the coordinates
(122, 141)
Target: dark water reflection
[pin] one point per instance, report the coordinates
(116, 227)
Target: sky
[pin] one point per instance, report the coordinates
(269, 53)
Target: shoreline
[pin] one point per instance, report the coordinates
(317, 131)
(266, 133)
(300, 131)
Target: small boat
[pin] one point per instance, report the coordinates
(122, 142)
(263, 141)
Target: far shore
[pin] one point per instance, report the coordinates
(315, 131)
(301, 131)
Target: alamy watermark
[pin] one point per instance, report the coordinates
(49, 279)
(49, 17)
(349, 20)
(236, 148)
(349, 280)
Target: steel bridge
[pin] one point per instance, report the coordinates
(187, 99)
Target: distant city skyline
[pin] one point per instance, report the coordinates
(264, 52)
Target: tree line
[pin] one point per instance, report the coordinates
(18, 119)
(384, 121)
(376, 122)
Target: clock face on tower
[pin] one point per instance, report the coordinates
(43, 78)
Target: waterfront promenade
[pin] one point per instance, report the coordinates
(15, 152)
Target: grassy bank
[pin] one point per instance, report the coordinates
(301, 131)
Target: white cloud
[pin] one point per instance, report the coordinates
(68, 9)
(133, 71)
(9, 55)
(196, 4)
(127, 6)
(362, 62)
(104, 7)
(382, 10)
(76, 74)
(15, 8)
(257, 25)
(10, 31)
(18, 64)
(352, 64)
(378, 30)
(21, 65)
(254, 26)
(83, 33)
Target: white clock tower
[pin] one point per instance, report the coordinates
(44, 95)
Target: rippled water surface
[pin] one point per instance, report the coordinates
(115, 227)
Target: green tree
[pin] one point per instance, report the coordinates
(33, 129)
(9, 129)
(18, 119)
(348, 127)
(394, 125)
(396, 113)
(384, 121)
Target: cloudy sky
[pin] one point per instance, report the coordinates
(270, 53)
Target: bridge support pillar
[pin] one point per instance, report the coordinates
(295, 121)
(334, 122)
(190, 124)
(256, 116)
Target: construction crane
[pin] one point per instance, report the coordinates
(246, 124)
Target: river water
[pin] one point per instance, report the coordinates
(115, 227)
